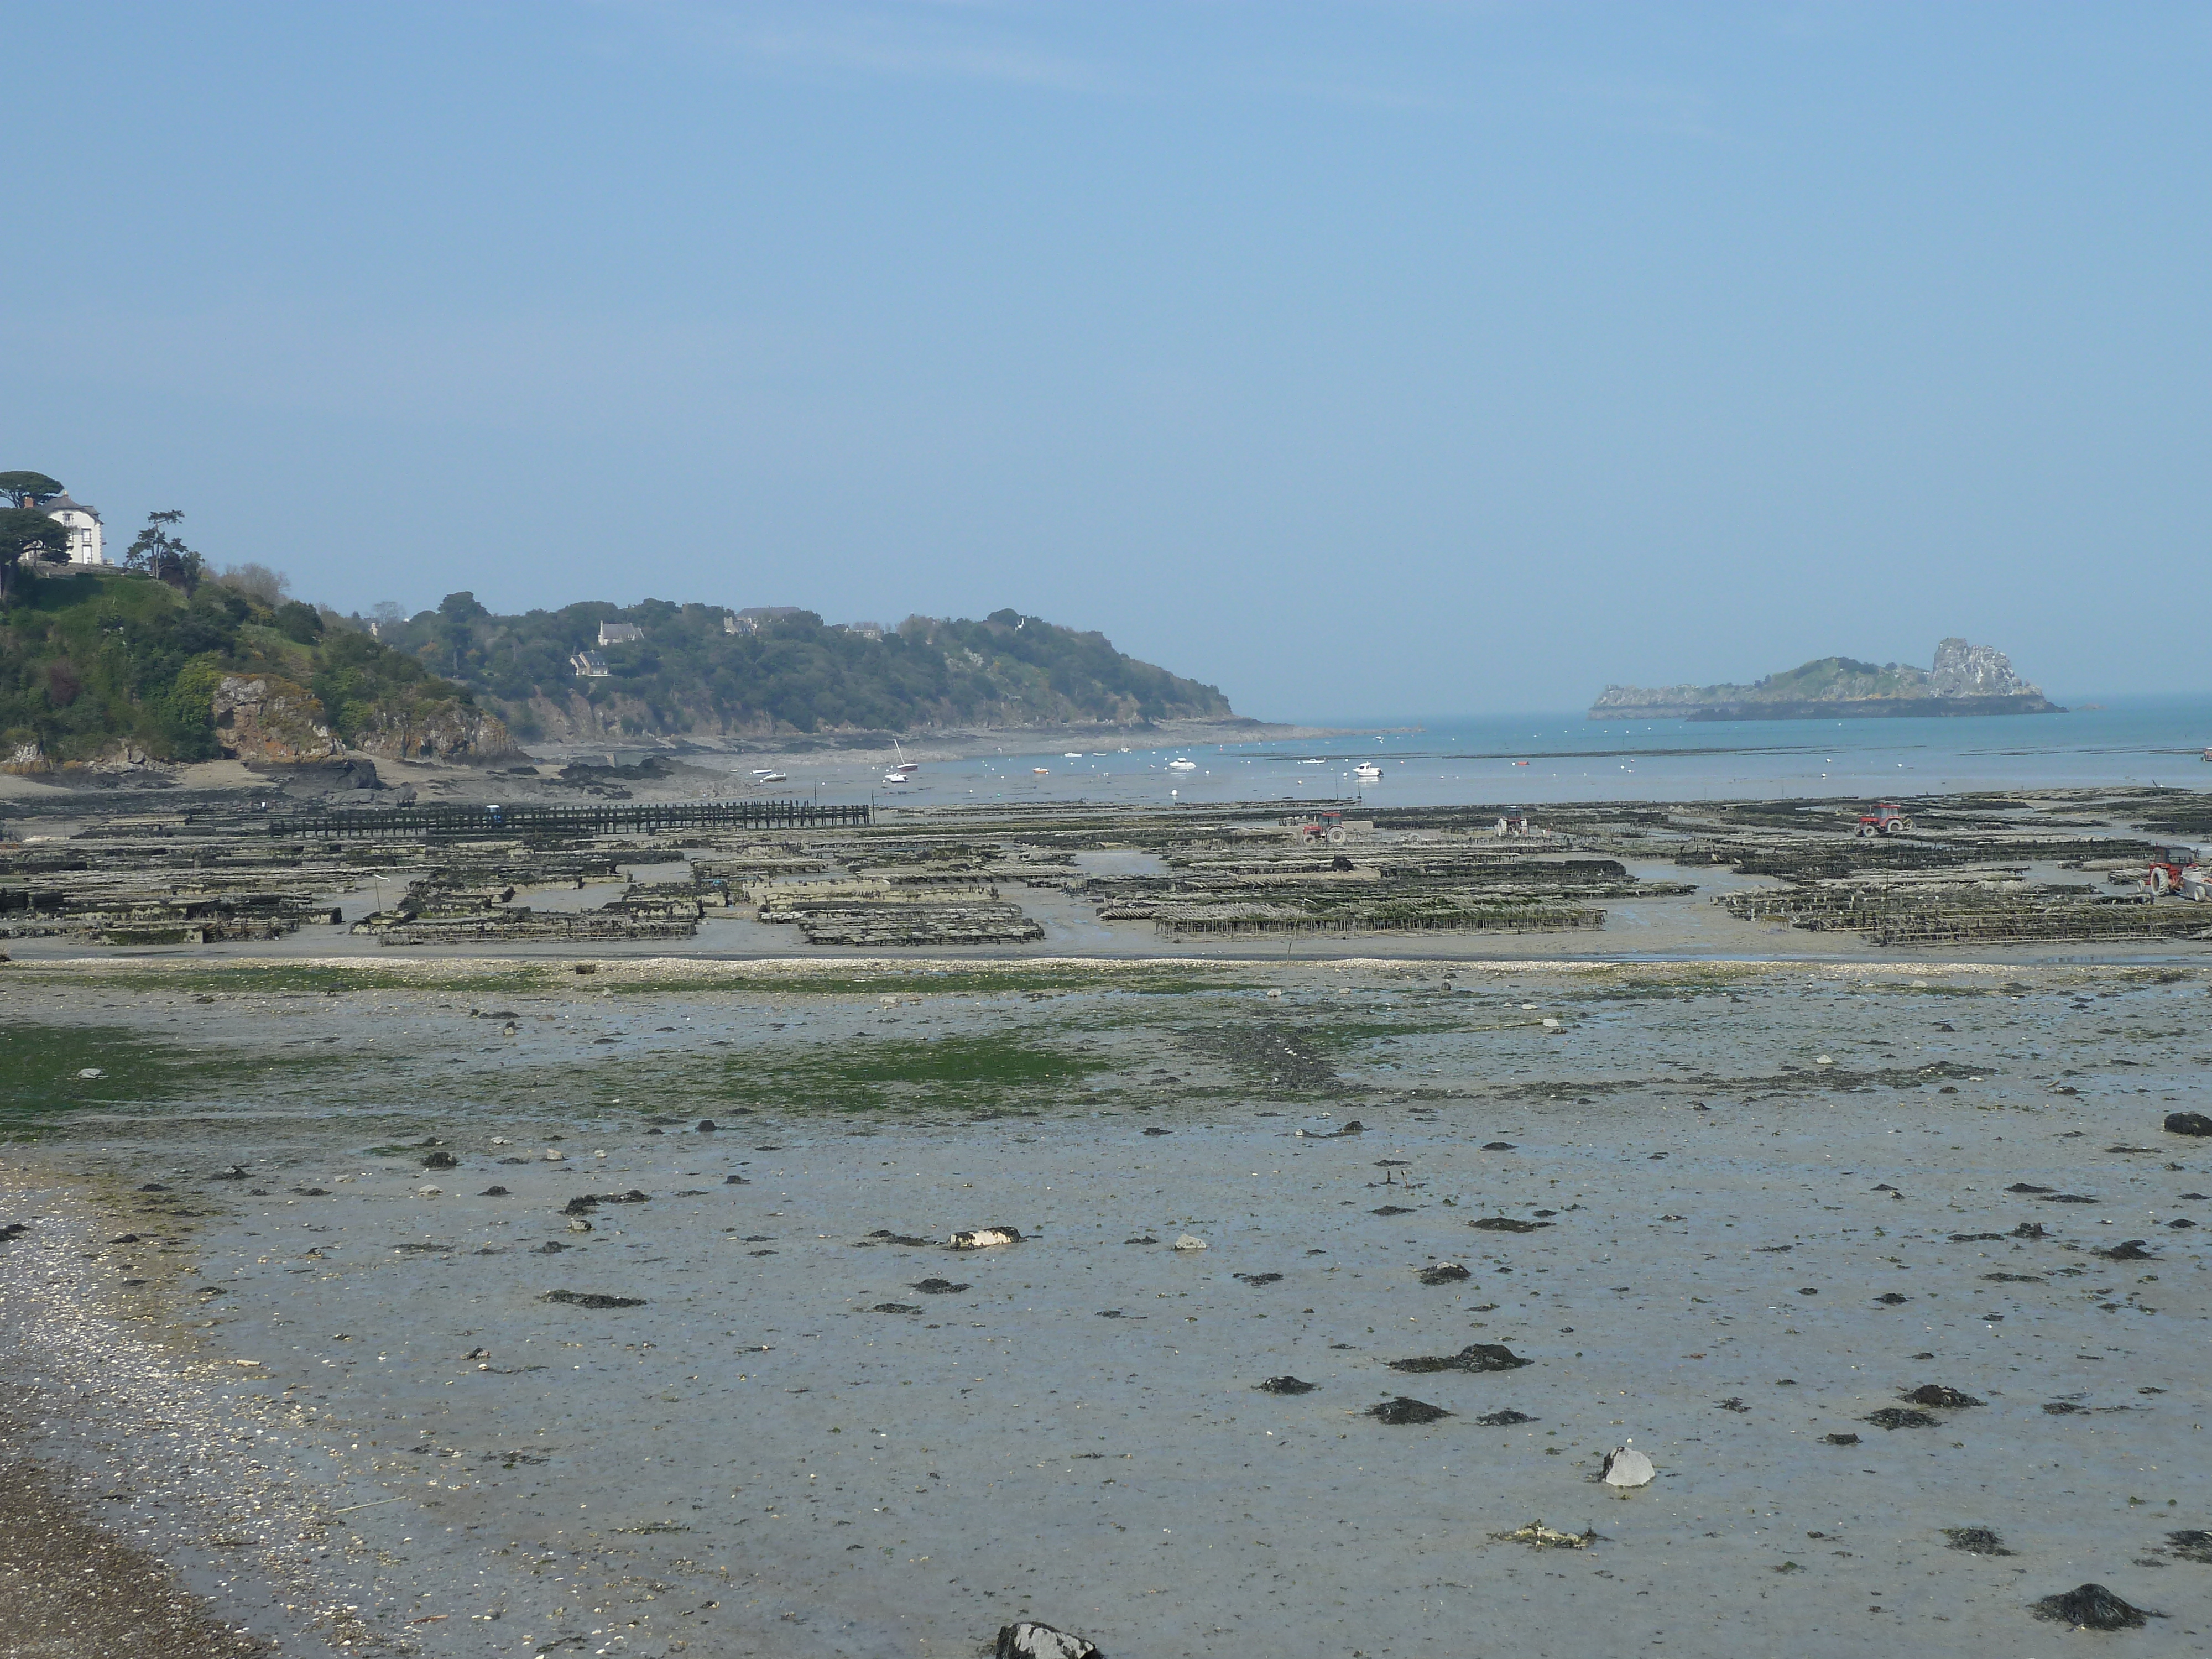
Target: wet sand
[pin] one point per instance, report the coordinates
(1740, 1205)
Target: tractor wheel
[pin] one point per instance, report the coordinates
(1864, 830)
(2160, 883)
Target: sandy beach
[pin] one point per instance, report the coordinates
(1728, 1211)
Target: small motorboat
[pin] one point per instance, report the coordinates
(1367, 770)
(769, 775)
(1041, 771)
(1180, 764)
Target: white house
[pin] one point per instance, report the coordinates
(589, 665)
(619, 633)
(87, 540)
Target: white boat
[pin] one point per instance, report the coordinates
(1041, 771)
(769, 775)
(1368, 770)
(1312, 762)
(1073, 754)
(905, 770)
(1180, 764)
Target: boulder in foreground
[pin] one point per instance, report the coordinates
(1624, 1466)
(1027, 1639)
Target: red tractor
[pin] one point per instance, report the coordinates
(1887, 818)
(2175, 869)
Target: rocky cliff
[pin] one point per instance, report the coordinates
(269, 720)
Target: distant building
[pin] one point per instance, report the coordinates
(749, 620)
(619, 633)
(589, 665)
(867, 630)
(87, 540)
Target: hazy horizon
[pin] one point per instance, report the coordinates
(1467, 355)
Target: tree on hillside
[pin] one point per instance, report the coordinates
(27, 536)
(158, 554)
(256, 581)
(29, 489)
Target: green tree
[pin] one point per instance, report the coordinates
(29, 489)
(159, 554)
(27, 536)
(300, 622)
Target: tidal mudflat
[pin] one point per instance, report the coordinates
(498, 1309)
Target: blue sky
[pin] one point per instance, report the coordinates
(1383, 355)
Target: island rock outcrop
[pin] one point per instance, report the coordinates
(1967, 679)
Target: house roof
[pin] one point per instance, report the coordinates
(53, 506)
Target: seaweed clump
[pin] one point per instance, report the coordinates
(1896, 1417)
(1976, 1541)
(1401, 1411)
(2091, 1607)
(1934, 1393)
(1475, 1356)
(592, 1299)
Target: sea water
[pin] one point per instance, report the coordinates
(1534, 759)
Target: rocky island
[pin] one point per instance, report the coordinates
(1967, 679)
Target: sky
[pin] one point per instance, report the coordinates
(1363, 357)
